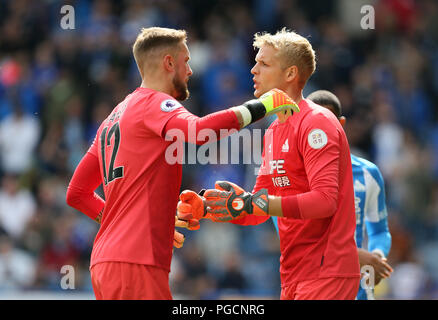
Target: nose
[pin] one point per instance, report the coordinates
(253, 70)
(190, 71)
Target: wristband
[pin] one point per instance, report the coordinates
(246, 115)
(256, 109)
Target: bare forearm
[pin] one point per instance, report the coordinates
(363, 257)
(275, 206)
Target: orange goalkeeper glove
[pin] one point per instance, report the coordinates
(229, 202)
(190, 209)
(273, 101)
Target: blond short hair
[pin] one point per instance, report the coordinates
(293, 49)
(150, 40)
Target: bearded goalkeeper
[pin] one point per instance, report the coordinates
(133, 249)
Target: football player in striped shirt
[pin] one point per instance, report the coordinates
(370, 206)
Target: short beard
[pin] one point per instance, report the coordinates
(181, 90)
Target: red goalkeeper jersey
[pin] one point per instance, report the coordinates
(140, 184)
(306, 161)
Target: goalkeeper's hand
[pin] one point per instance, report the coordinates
(191, 224)
(229, 202)
(271, 102)
(190, 209)
(178, 239)
(276, 100)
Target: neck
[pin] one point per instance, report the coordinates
(297, 96)
(157, 82)
(156, 86)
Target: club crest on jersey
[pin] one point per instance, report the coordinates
(169, 105)
(285, 147)
(317, 139)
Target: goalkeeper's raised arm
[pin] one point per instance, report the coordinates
(237, 117)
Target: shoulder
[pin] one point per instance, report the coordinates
(156, 99)
(319, 126)
(369, 166)
(317, 117)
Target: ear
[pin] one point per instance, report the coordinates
(291, 73)
(343, 121)
(168, 63)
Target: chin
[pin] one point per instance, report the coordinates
(258, 93)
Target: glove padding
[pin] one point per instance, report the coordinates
(230, 202)
(276, 100)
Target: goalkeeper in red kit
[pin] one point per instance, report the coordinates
(305, 179)
(132, 250)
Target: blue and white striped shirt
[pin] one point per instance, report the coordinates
(370, 204)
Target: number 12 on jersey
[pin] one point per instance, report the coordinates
(105, 141)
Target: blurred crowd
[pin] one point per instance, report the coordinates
(57, 85)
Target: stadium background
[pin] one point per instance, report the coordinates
(57, 85)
